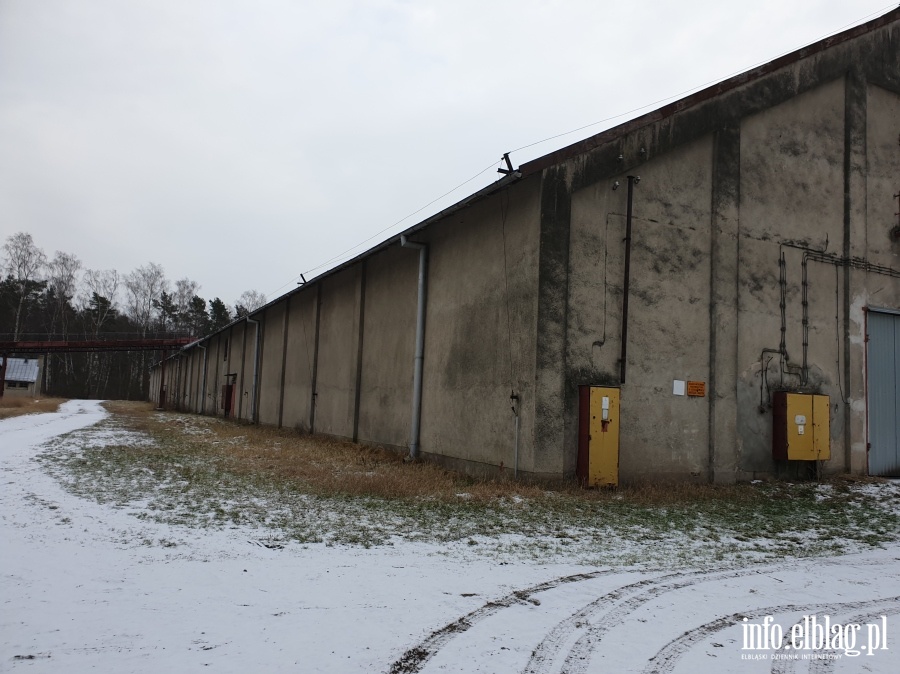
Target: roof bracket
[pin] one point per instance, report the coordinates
(509, 167)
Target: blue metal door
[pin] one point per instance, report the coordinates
(884, 393)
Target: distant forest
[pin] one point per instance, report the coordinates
(43, 298)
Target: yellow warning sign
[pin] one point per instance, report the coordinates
(696, 389)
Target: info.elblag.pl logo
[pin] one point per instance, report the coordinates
(814, 637)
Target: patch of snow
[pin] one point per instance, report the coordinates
(86, 586)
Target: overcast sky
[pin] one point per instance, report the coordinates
(243, 142)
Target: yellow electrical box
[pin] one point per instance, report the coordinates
(598, 442)
(801, 427)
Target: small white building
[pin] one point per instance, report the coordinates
(22, 376)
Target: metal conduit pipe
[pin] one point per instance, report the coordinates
(203, 386)
(515, 408)
(418, 363)
(632, 181)
(253, 418)
(516, 467)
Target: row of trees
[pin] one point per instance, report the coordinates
(56, 298)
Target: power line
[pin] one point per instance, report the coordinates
(580, 128)
(380, 232)
(700, 86)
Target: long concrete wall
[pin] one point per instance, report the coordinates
(761, 236)
(337, 355)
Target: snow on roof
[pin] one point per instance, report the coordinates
(21, 369)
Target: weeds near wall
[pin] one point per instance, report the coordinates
(204, 472)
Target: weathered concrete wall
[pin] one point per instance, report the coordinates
(337, 354)
(178, 384)
(480, 331)
(188, 398)
(199, 357)
(236, 365)
(792, 178)
(190, 389)
(774, 165)
(882, 181)
(299, 360)
(271, 358)
(668, 325)
(388, 347)
(250, 375)
(214, 372)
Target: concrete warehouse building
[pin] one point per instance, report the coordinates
(710, 292)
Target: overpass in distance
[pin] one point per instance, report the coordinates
(85, 344)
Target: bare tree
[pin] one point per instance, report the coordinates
(248, 302)
(99, 299)
(23, 262)
(62, 278)
(185, 291)
(144, 286)
(98, 305)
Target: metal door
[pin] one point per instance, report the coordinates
(884, 393)
(598, 442)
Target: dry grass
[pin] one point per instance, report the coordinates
(189, 470)
(15, 406)
(326, 466)
(319, 464)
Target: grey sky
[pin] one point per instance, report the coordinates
(241, 142)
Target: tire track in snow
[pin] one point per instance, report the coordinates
(548, 650)
(415, 658)
(668, 656)
(632, 597)
(578, 657)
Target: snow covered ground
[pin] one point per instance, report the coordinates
(89, 587)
